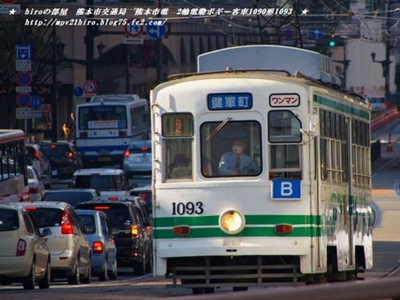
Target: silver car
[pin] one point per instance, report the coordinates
(69, 247)
(104, 250)
(137, 158)
(24, 255)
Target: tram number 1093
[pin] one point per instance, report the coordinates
(188, 208)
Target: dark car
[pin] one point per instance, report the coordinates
(132, 238)
(145, 193)
(37, 158)
(71, 196)
(64, 158)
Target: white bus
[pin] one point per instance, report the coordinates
(261, 172)
(13, 169)
(107, 124)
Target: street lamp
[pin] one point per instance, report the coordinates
(385, 73)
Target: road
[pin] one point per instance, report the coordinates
(385, 181)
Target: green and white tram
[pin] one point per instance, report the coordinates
(299, 211)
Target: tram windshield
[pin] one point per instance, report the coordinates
(234, 150)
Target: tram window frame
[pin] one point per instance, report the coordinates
(178, 145)
(322, 123)
(220, 144)
(323, 158)
(284, 138)
(328, 124)
(170, 126)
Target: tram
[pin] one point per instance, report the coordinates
(295, 208)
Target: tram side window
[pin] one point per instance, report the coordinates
(284, 133)
(177, 130)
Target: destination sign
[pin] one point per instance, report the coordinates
(230, 101)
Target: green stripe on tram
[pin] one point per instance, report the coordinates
(304, 226)
(358, 112)
(307, 231)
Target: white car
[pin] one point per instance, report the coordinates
(36, 184)
(110, 182)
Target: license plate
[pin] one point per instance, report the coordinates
(54, 173)
(104, 151)
(145, 159)
(104, 159)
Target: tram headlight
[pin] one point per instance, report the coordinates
(231, 221)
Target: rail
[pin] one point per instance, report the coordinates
(387, 288)
(383, 118)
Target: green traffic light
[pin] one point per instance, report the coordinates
(332, 44)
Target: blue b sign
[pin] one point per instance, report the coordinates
(286, 189)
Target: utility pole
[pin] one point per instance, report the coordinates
(386, 64)
(159, 49)
(54, 88)
(89, 45)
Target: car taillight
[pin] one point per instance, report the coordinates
(33, 190)
(126, 154)
(144, 149)
(98, 247)
(143, 196)
(66, 224)
(21, 248)
(134, 231)
(113, 198)
(70, 155)
(122, 133)
(36, 155)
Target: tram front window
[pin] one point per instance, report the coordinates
(234, 149)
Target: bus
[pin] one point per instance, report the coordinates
(274, 176)
(107, 124)
(13, 169)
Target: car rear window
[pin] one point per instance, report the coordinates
(56, 150)
(140, 147)
(97, 182)
(47, 217)
(71, 198)
(8, 220)
(117, 214)
(87, 222)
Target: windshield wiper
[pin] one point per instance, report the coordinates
(218, 128)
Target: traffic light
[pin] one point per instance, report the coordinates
(332, 43)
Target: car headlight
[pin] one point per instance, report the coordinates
(231, 221)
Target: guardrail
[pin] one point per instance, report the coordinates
(388, 288)
(384, 117)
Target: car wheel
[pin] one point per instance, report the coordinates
(44, 283)
(88, 274)
(103, 274)
(74, 278)
(29, 281)
(113, 273)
